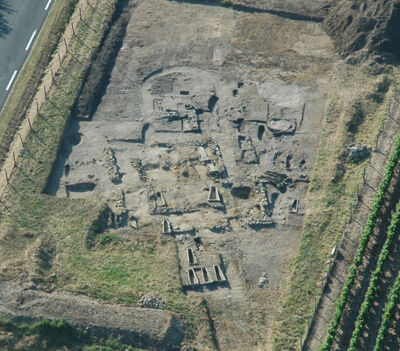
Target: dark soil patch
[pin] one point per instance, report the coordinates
(392, 336)
(368, 25)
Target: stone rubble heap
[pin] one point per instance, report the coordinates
(111, 164)
(357, 152)
(263, 280)
(149, 301)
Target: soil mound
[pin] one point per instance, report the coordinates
(140, 327)
(363, 27)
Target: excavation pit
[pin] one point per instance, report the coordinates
(197, 90)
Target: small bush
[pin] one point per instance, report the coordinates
(109, 239)
(57, 332)
(355, 117)
(340, 171)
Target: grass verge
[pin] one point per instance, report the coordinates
(331, 194)
(365, 236)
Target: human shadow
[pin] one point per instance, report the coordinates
(5, 9)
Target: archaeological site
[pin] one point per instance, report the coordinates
(203, 175)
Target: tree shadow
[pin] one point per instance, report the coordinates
(5, 8)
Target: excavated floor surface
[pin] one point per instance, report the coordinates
(209, 126)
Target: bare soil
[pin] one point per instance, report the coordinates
(363, 27)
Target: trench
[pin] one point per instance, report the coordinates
(99, 73)
(252, 9)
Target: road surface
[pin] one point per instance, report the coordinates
(20, 24)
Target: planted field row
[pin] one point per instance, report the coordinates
(388, 313)
(375, 280)
(365, 237)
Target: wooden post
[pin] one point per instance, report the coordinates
(7, 179)
(75, 58)
(73, 29)
(66, 46)
(37, 108)
(94, 9)
(45, 91)
(6, 207)
(15, 161)
(80, 14)
(59, 59)
(52, 76)
(22, 142)
(30, 125)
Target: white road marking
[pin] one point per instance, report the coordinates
(11, 80)
(48, 5)
(31, 40)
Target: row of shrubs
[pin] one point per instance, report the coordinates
(365, 236)
(376, 276)
(388, 312)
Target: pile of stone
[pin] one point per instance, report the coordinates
(263, 280)
(119, 197)
(111, 165)
(357, 152)
(149, 301)
(137, 164)
(266, 222)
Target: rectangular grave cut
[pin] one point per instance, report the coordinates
(219, 274)
(191, 257)
(166, 227)
(193, 280)
(206, 275)
(213, 195)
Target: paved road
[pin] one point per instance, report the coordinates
(20, 24)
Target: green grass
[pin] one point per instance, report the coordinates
(50, 335)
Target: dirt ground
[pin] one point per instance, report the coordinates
(210, 127)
